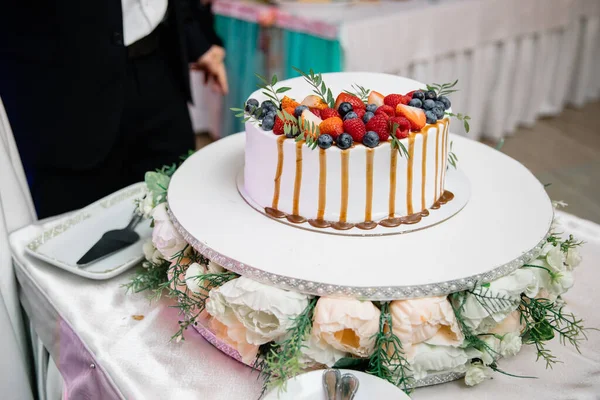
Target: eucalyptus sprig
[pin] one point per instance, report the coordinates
(443, 89)
(388, 360)
(397, 144)
(461, 117)
(246, 116)
(452, 157)
(319, 87)
(360, 92)
(282, 361)
(268, 89)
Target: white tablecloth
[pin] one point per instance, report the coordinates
(140, 362)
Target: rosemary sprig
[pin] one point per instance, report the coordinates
(360, 92)
(388, 361)
(461, 117)
(443, 89)
(397, 144)
(150, 277)
(245, 116)
(565, 245)
(452, 157)
(282, 361)
(268, 89)
(319, 87)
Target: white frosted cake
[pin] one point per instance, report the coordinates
(308, 179)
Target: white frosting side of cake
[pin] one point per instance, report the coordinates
(262, 158)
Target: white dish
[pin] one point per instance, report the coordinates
(72, 236)
(309, 386)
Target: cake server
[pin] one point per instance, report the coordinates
(112, 241)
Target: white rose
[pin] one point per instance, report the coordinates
(191, 277)
(505, 345)
(266, 312)
(146, 205)
(573, 258)
(317, 351)
(556, 259)
(510, 344)
(553, 286)
(425, 359)
(214, 268)
(477, 373)
(151, 253)
(483, 314)
(165, 237)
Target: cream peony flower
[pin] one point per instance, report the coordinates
(214, 268)
(317, 351)
(573, 258)
(235, 336)
(430, 320)
(511, 324)
(425, 359)
(477, 373)
(151, 253)
(482, 315)
(165, 237)
(266, 312)
(347, 325)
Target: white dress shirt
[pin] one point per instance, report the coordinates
(141, 17)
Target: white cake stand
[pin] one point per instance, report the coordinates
(503, 225)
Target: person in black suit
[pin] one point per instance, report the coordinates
(96, 91)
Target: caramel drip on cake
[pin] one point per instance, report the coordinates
(424, 170)
(444, 156)
(295, 217)
(320, 222)
(437, 163)
(393, 168)
(278, 172)
(409, 174)
(444, 198)
(342, 224)
(369, 199)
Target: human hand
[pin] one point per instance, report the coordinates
(212, 65)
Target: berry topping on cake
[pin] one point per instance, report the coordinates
(251, 105)
(355, 128)
(348, 98)
(372, 108)
(287, 102)
(268, 105)
(314, 101)
(328, 113)
(430, 94)
(325, 141)
(386, 110)
(418, 94)
(290, 110)
(415, 103)
(393, 100)
(371, 139)
(428, 104)
(367, 117)
(416, 116)
(379, 125)
(430, 117)
(316, 111)
(333, 126)
(439, 112)
(445, 101)
(298, 111)
(344, 141)
(375, 98)
(310, 123)
(344, 108)
(360, 112)
(278, 127)
(350, 115)
(268, 122)
(403, 128)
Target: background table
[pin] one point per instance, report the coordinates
(105, 353)
(516, 60)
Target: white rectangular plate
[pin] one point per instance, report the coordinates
(72, 236)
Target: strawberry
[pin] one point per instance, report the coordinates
(278, 127)
(410, 93)
(403, 126)
(333, 126)
(406, 99)
(316, 111)
(379, 125)
(360, 112)
(308, 120)
(348, 98)
(327, 113)
(392, 100)
(290, 110)
(287, 102)
(356, 128)
(386, 110)
(376, 98)
(416, 116)
(314, 101)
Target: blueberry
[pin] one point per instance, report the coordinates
(439, 104)
(344, 141)
(259, 113)
(439, 112)
(251, 104)
(268, 122)
(368, 115)
(430, 94)
(372, 107)
(419, 95)
(268, 105)
(415, 103)
(298, 111)
(371, 139)
(345, 108)
(446, 102)
(350, 115)
(428, 104)
(325, 141)
(431, 117)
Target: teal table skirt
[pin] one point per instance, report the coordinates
(254, 49)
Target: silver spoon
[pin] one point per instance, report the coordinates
(331, 382)
(349, 386)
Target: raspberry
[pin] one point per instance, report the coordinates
(406, 99)
(355, 128)
(403, 126)
(392, 100)
(360, 112)
(387, 111)
(328, 113)
(379, 124)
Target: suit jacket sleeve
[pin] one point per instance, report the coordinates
(198, 25)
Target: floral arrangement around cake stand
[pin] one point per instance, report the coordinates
(469, 292)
